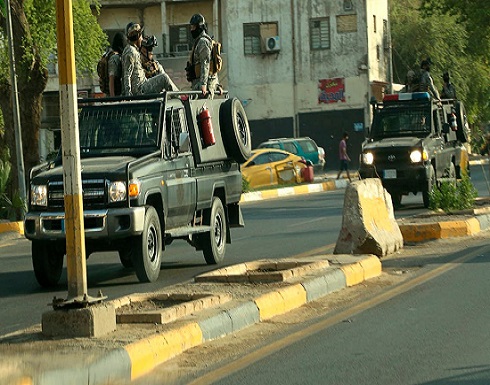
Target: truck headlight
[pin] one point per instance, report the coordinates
(39, 195)
(368, 158)
(417, 156)
(117, 191)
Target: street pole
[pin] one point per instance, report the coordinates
(15, 106)
(75, 231)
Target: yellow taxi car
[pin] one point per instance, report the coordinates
(269, 167)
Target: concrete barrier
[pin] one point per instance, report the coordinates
(368, 222)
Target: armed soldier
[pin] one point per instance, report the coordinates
(198, 69)
(151, 66)
(426, 82)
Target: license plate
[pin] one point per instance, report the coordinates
(390, 174)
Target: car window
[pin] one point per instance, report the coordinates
(277, 156)
(261, 159)
(307, 145)
(290, 147)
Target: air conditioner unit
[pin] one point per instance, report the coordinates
(272, 44)
(181, 48)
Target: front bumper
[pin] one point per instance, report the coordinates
(401, 180)
(99, 224)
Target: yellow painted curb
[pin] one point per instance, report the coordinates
(12, 226)
(436, 230)
(148, 353)
(303, 189)
(270, 305)
(354, 274)
(327, 186)
(293, 296)
(458, 228)
(371, 267)
(420, 232)
(266, 194)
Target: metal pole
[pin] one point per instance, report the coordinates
(75, 231)
(15, 106)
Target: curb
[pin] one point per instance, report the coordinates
(141, 357)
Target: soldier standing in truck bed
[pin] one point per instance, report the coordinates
(202, 79)
(426, 82)
(448, 89)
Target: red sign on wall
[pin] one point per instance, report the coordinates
(331, 90)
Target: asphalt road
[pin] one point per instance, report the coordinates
(436, 333)
(293, 226)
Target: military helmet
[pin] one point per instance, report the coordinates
(133, 29)
(197, 19)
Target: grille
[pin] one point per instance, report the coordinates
(392, 156)
(93, 191)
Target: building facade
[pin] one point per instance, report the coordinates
(300, 67)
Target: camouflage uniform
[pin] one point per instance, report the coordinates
(115, 69)
(134, 79)
(427, 84)
(151, 67)
(201, 58)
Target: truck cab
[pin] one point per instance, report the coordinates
(413, 144)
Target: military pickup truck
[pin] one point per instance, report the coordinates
(154, 169)
(414, 143)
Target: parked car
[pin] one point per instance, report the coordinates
(269, 167)
(304, 147)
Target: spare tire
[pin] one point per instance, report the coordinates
(235, 130)
(462, 132)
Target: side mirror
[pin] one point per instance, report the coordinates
(445, 128)
(184, 142)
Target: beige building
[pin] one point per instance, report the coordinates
(300, 67)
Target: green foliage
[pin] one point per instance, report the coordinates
(456, 36)
(11, 209)
(245, 185)
(450, 196)
(90, 41)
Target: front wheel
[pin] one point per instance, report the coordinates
(214, 242)
(431, 182)
(146, 253)
(47, 260)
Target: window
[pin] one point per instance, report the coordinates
(174, 126)
(290, 147)
(254, 34)
(320, 34)
(180, 39)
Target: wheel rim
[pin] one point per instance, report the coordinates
(218, 232)
(242, 129)
(152, 245)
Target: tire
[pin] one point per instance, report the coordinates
(125, 256)
(396, 199)
(462, 132)
(214, 242)
(47, 260)
(146, 249)
(235, 130)
(431, 183)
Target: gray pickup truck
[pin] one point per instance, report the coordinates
(150, 175)
(414, 143)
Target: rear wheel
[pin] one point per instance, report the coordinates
(431, 182)
(214, 242)
(47, 260)
(235, 130)
(146, 248)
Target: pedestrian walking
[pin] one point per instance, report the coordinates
(134, 78)
(199, 73)
(344, 157)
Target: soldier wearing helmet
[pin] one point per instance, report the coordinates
(198, 68)
(134, 78)
(426, 82)
(151, 66)
(448, 89)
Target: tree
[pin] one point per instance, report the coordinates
(439, 30)
(34, 40)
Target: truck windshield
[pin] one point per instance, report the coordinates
(119, 128)
(401, 122)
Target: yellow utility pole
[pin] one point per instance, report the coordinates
(75, 232)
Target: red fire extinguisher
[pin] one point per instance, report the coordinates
(206, 126)
(452, 120)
